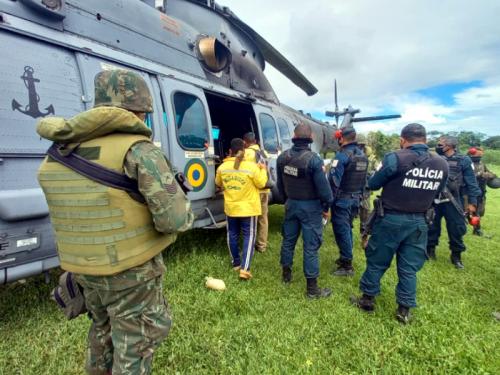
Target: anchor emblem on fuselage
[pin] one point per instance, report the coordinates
(32, 108)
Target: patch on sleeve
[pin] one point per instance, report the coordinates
(171, 188)
(379, 166)
(335, 162)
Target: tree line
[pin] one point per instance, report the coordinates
(382, 143)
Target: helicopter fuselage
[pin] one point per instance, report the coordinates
(203, 68)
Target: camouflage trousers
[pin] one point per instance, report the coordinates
(364, 212)
(130, 319)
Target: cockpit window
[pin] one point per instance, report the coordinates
(269, 135)
(190, 121)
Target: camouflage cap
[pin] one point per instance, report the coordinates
(124, 89)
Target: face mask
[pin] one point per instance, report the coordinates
(440, 149)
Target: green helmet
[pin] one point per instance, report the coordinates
(124, 89)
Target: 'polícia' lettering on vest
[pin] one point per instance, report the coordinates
(435, 174)
(291, 171)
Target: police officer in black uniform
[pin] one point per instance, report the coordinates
(411, 178)
(347, 177)
(461, 181)
(302, 181)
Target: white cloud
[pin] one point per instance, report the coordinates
(382, 51)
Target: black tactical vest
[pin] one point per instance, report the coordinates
(455, 178)
(297, 181)
(354, 177)
(415, 183)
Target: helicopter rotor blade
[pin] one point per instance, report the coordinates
(336, 104)
(272, 55)
(374, 118)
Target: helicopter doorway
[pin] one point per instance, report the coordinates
(230, 119)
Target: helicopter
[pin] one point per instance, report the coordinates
(203, 66)
(348, 114)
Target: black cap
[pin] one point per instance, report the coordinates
(348, 130)
(413, 131)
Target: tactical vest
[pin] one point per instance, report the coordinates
(354, 177)
(297, 181)
(414, 187)
(99, 230)
(455, 178)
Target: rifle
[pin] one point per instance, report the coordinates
(469, 218)
(378, 211)
(445, 197)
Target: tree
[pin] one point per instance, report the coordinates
(466, 139)
(493, 142)
(469, 138)
(382, 144)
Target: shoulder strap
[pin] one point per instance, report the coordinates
(415, 163)
(93, 171)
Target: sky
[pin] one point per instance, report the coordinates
(433, 62)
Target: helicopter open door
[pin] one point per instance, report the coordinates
(188, 126)
(269, 142)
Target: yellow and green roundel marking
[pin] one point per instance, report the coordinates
(196, 174)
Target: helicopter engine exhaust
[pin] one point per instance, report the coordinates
(215, 55)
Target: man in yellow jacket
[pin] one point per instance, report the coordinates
(253, 153)
(241, 181)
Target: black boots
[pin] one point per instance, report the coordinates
(287, 275)
(313, 291)
(344, 268)
(403, 314)
(457, 260)
(477, 231)
(365, 302)
(431, 252)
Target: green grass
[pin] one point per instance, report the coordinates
(491, 157)
(264, 327)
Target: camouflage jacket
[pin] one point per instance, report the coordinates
(482, 173)
(146, 164)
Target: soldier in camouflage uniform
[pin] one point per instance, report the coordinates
(364, 206)
(110, 241)
(483, 175)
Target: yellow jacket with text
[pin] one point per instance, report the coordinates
(241, 187)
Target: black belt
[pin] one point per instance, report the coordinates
(343, 195)
(396, 212)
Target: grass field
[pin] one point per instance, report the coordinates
(264, 327)
(492, 157)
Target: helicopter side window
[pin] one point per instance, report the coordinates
(269, 135)
(191, 121)
(286, 140)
